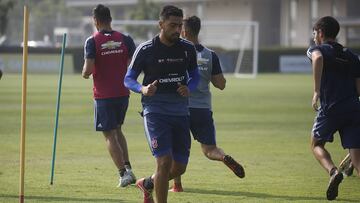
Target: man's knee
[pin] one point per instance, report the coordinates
(163, 163)
(316, 143)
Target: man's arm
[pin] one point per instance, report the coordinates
(194, 78)
(218, 81)
(217, 77)
(88, 68)
(130, 81)
(89, 57)
(317, 66)
(130, 44)
(134, 70)
(193, 71)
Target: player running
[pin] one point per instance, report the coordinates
(201, 120)
(336, 72)
(107, 54)
(170, 72)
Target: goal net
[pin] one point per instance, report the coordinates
(235, 42)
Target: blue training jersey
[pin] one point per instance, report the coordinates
(169, 65)
(209, 65)
(341, 68)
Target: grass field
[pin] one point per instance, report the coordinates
(265, 123)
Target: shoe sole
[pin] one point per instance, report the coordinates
(332, 191)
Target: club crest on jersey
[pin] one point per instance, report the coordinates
(154, 143)
(110, 45)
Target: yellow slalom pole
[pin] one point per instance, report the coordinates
(23, 104)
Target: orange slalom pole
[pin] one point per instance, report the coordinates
(23, 104)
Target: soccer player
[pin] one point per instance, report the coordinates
(201, 120)
(107, 54)
(170, 73)
(336, 73)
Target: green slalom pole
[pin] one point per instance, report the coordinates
(57, 108)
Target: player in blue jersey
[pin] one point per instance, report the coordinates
(336, 72)
(170, 73)
(107, 54)
(201, 120)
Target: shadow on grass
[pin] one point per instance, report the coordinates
(61, 199)
(260, 195)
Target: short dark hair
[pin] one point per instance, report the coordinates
(102, 13)
(328, 25)
(193, 25)
(170, 10)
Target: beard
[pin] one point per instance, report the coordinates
(174, 37)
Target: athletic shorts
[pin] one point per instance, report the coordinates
(202, 126)
(348, 126)
(110, 113)
(168, 134)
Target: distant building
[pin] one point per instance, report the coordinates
(286, 23)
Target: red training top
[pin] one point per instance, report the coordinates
(110, 65)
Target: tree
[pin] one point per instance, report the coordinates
(144, 11)
(5, 7)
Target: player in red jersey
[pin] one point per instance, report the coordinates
(107, 54)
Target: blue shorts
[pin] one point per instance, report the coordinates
(167, 134)
(348, 126)
(202, 126)
(110, 113)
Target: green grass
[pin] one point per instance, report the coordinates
(265, 123)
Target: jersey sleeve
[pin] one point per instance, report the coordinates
(136, 66)
(138, 60)
(216, 66)
(130, 45)
(192, 58)
(130, 81)
(310, 50)
(194, 76)
(89, 48)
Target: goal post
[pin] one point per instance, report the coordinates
(239, 42)
(235, 42)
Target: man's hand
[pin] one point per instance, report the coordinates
(183, 90)
(315, 101)
(89, 65)
(86, 76)
(150, 89)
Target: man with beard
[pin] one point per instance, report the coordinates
(170, 73)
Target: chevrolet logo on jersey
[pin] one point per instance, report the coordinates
(111, 45)
(171, 79)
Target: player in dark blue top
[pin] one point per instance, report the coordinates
(201, 116)
(336, 73)
(170, 72)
